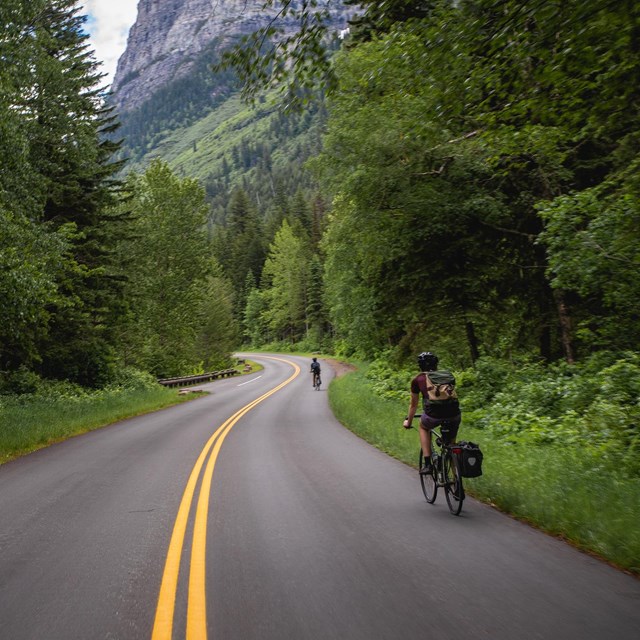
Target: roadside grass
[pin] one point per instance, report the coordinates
(27, 424)
(566, 494)
(376, 420)
(558, 489)
(31, 422)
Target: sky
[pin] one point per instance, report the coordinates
(108, 25)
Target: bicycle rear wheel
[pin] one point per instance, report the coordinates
(428, 481)
(453, 489)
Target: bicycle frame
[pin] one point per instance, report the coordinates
(445, 474)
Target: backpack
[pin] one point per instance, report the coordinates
(441, 387)
(315, 367)
(470, 458)
(441, 399)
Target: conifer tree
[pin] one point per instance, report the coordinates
(61, 179)
(30, 254)
(242, 248)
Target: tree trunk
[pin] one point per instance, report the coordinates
(565, 325)
(472, 339)
(547, 323)
(545, 343)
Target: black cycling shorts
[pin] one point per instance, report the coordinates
(448, 431)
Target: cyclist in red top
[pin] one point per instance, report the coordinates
(435, 413)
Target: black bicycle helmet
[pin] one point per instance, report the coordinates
(427, 361)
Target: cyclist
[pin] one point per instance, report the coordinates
(446, 407)
(315, 370)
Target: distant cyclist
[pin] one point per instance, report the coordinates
(440, 403)
(315, 370)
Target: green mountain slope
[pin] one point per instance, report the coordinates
(201, 128)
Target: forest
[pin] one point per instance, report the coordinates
(481, 164)
(99, 274)
(479, 159)
(474, 191)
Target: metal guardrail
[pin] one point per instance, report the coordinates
(203, 377)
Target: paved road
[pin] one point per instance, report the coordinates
(298, 531)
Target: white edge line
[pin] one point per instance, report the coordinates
(249, 381)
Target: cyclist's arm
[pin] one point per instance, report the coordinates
(413, 405)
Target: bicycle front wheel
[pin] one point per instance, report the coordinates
(428, 481)
(453, 489)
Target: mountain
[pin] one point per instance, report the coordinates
(171, 105)
(167, 37)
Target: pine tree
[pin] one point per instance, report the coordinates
(244, 248)
(30, 254)
(59, 129)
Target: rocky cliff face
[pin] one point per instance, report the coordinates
(168, 35)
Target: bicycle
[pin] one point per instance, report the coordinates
(316, 381)
(445, 472)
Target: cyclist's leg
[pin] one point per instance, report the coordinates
(425, 440)
(425, 444)
(427, 423)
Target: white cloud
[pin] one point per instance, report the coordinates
(108, 25)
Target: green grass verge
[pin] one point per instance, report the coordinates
(554, 488)
(27, 425)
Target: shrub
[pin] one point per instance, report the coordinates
(19, 382)
(132, 378)
(593, 404)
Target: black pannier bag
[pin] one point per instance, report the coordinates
(470, 458)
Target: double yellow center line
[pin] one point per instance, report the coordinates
(196, 606)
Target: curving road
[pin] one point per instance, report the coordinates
(252, 513)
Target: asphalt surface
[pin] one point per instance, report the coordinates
(309, 533)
